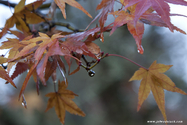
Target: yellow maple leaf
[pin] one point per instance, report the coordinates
(62, 101)
(23, 15)
(153, 80)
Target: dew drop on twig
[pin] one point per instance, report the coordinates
(91, 73)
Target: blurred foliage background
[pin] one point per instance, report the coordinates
(107, 98)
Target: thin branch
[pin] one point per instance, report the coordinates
(6, 3)
(89, 65)
(128, 60)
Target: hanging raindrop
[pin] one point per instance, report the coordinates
(24, 103)
(91, 73)
(140, 49)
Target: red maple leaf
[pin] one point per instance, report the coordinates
(107, 7)
(160, 6)
(137, 31)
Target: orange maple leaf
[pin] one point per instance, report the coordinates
(38, 49)
(62, 101)
(153, 80)
(61, 4)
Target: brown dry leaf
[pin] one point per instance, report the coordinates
(62, 101)
(154, 80)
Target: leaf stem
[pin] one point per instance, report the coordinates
(62, 73)
(54, 81)
(128, 60)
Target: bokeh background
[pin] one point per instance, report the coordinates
(107, 98)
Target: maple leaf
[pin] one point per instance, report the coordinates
(61, 4)
(154, 20)
(124, 17)
(39, 49)
(53, 50)
(37, 45)
(154, 80)
(160, 6)
(137, 31)
(62, 101)
(23, 15)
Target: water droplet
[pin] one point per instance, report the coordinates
(23, 104)
(91, 73)
(140, 49)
